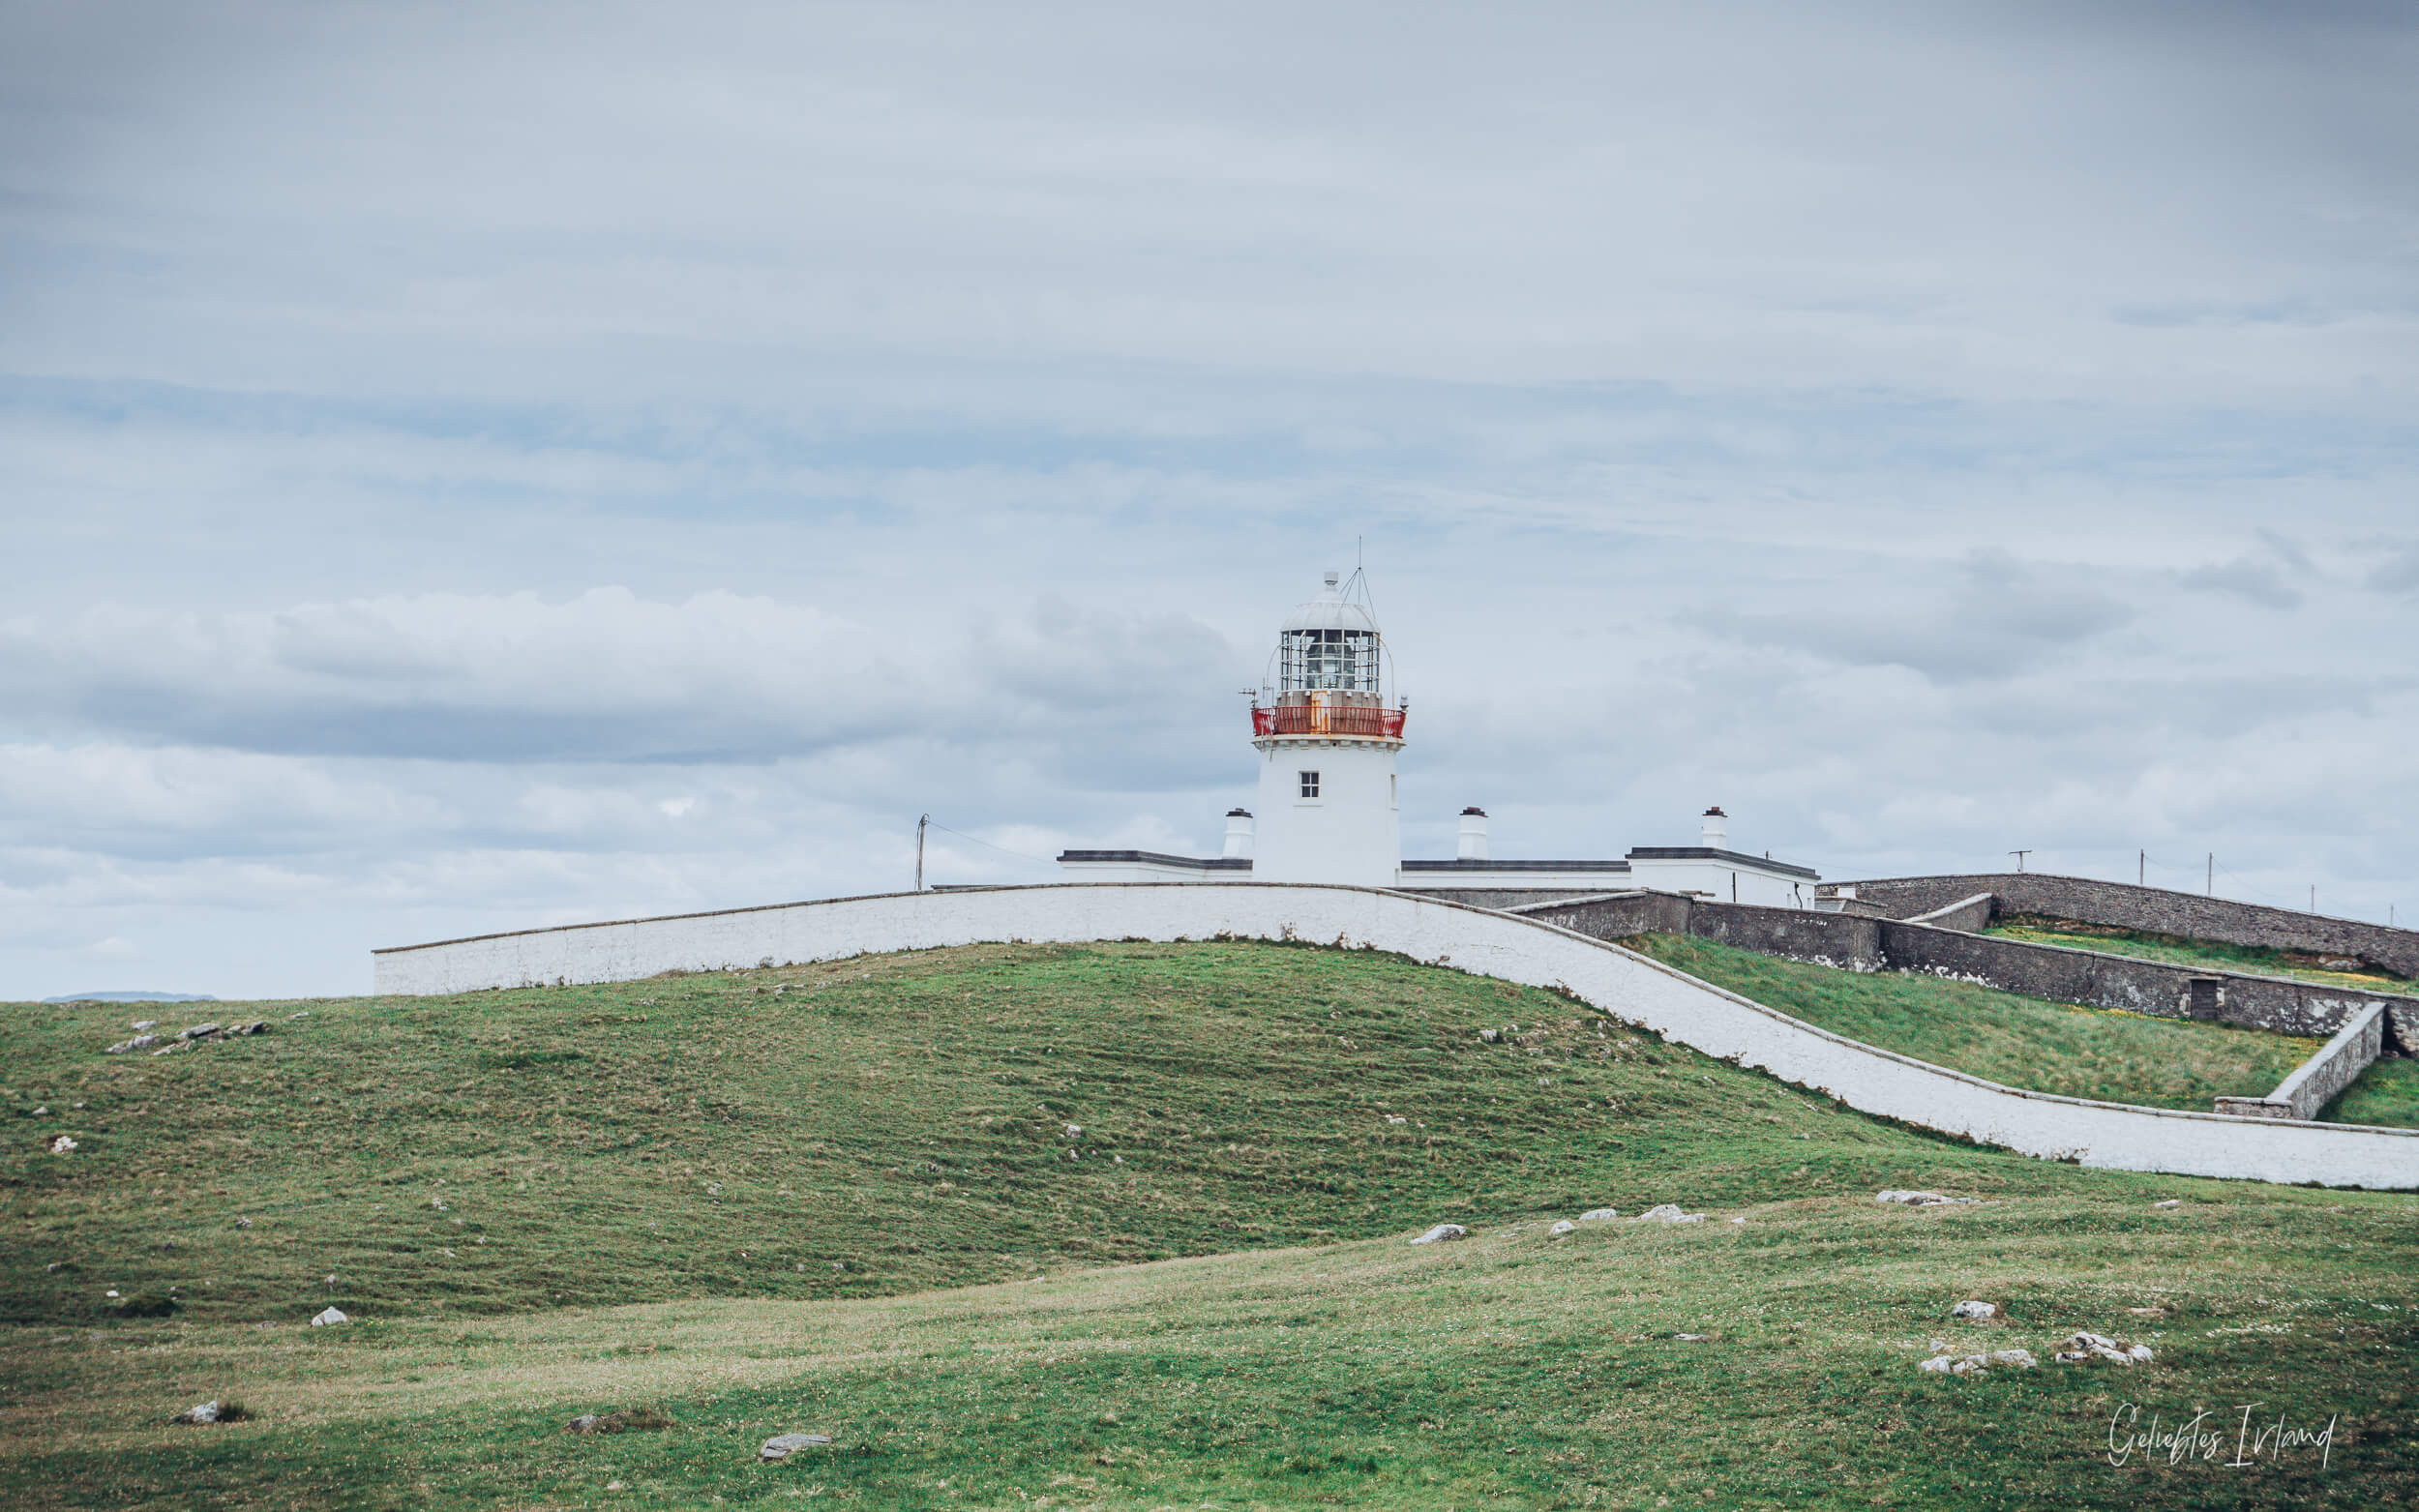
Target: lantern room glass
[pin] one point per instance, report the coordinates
(1329, 661)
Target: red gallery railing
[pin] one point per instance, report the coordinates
(1328, 719)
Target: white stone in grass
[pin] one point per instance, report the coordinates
(1918, 1198)
(1442, 1233)
(1563, 1227)
(63, 1145)
(1396, 1118)
(204, 1413)
(1598, 1215)
(1667, 1213)
(2174, 1202)
(2020, 1359)
(1938, 1364)
(783, 1446)
(330, 1319)
(1971, 1309)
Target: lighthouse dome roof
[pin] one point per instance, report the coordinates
(1329, 611)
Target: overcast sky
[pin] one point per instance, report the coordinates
(468, 468)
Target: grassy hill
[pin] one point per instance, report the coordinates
(859, 1129)
(2027, 1042)
(731, 1203)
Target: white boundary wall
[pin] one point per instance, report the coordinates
(1617, 982)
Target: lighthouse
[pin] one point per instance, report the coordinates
(1328, 809)
(1325, 726)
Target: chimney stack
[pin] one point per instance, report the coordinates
(1472, 834)
(1716, 829)
(1237, 834)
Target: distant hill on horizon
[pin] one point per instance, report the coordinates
(133, 997)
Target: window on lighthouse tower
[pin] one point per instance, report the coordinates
(1310, 784)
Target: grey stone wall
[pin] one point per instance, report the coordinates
(2157, 910)
(1508, 898)
(1969, 916)
(2050, 971)
(2322, 1078)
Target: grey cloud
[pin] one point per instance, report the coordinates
(607, 676)
(1991, 616)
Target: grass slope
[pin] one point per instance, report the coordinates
(1510, 1371)
(2386, 1093)
(878, 1126)
(687, 1144)
(2098, 1053)
(2178, 950)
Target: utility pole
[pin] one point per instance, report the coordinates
(2314, 897)
(921, 820)
(2019, 858)
(2213, 874)
(2141, 868)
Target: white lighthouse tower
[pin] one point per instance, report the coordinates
(1327, 811)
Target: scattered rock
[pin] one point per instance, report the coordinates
(1667, 1213)
(1693, 1337)
(329, 1319)
(212, 1412)
(201, 1031)
(1074, 1129)
(1740, 1220)
(1396, 1118)
(138, 1041)
(139, 1026)
(1598, 1215)
(620, 1421)
(784, 1445)
(2087, 1349)
(1920, 1199)
(40, 1112)
(328, 1280)
(1491, 1036)
(63, 1145)
(1563, 1227)
(1442, 1233)
(242, 1221)
(2343, 963)
(1975, 1309)
(170, 1047)
(1945, 1364)
(2174, 1202)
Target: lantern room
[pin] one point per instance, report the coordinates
(1327, 678)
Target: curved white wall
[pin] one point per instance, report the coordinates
(1621, 983)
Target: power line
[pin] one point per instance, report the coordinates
(1002, 849)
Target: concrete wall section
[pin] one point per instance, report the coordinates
(1614, 981)
(2155, 910)
(1967, 915)
(2321, 1079)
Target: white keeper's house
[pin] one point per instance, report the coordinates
(1327, 810)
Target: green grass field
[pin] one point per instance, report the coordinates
(2177, 950)
(665, 1175)
(2386, 1093)
(2097, 1053)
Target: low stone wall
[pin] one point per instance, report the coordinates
(1513, 899)
(1969, 915)
(2324, 1077)
(2157, 910)
(2056, 972)
(1620, 983)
